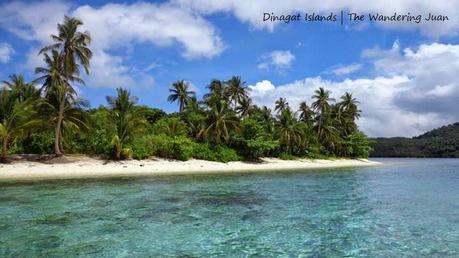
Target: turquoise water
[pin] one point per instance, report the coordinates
(407, 208)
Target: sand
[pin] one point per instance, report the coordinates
(86, 167)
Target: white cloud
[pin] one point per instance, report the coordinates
(252, 11)
(115, 27)
(348, 69)
(276, 59)
(413, 91)
(5, 52)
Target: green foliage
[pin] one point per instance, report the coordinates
(357, 145)
(287, 156)
(170, 126)
(141, 148)
(177, 147)
(219, 153)
(442, 142)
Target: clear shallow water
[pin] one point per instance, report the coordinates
(409, 207)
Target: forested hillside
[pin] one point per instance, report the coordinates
(442, 142)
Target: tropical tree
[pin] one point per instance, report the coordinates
(347, 113)
(220, 122)
(180, 92)
(58, 91)
(72, 45)
(16, 118)
(127, 121)
(245, 107)
(306, 114)
(21, 89)
(281, 105)
(322, 107)
(237, 90)
(217, 93)
(288, 131)
(68, 52)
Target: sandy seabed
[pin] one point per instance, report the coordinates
(86, 167)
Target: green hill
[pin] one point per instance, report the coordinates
(442, 142)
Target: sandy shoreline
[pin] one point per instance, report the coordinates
(85, 167)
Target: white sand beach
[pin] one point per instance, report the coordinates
(86, 167)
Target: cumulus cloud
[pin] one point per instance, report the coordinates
(116, 26)
(277, 59)
(414, 90)
(5, 52)
(252, 11)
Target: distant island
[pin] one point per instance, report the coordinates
(442, 142)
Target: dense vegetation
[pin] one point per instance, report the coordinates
(442, 142)
(223, 126)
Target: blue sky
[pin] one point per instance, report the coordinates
(404, 74)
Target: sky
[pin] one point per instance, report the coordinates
(404, 74)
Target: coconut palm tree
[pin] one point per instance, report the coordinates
(220, 122)
(237, 90)
(57, 89)
(281, 105)
(322, 106)
(306, 114)
(16, 119)
(21, 89)
(127, 121)
(288, 130)
(72, 45)
(245, 107)
(180, 92)
(347, 113)
(217, 92)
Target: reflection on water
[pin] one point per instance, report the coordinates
(408, 207)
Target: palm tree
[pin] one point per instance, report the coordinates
(245, 107)
(74, 117)
(322, 106)
(217, 92)
(68, 52)
(127, 121)
(16, 118)
(237, 90)
(21, 89)
(179, 92)
(347, 113)
(220, 122)
(72, 45)
(281, 105)
(288, 130)
(58, 90)
(306, 114)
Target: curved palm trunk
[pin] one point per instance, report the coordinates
(58, 129)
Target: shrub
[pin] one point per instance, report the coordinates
(141, 148)
(220, 153)
(225, 154)
(286, 156)
(178, 147)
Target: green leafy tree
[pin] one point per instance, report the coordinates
(288, 131)
(237, 90)
(221, 121)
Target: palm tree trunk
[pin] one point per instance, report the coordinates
(61, 143)
(57, 130)
(4, 149)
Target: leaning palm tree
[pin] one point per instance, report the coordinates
(221, 121)
(237, 90)
(16, 119)
(127, 121)
(180, 92)
(72, 45)
(57, 89)
(281, 105)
